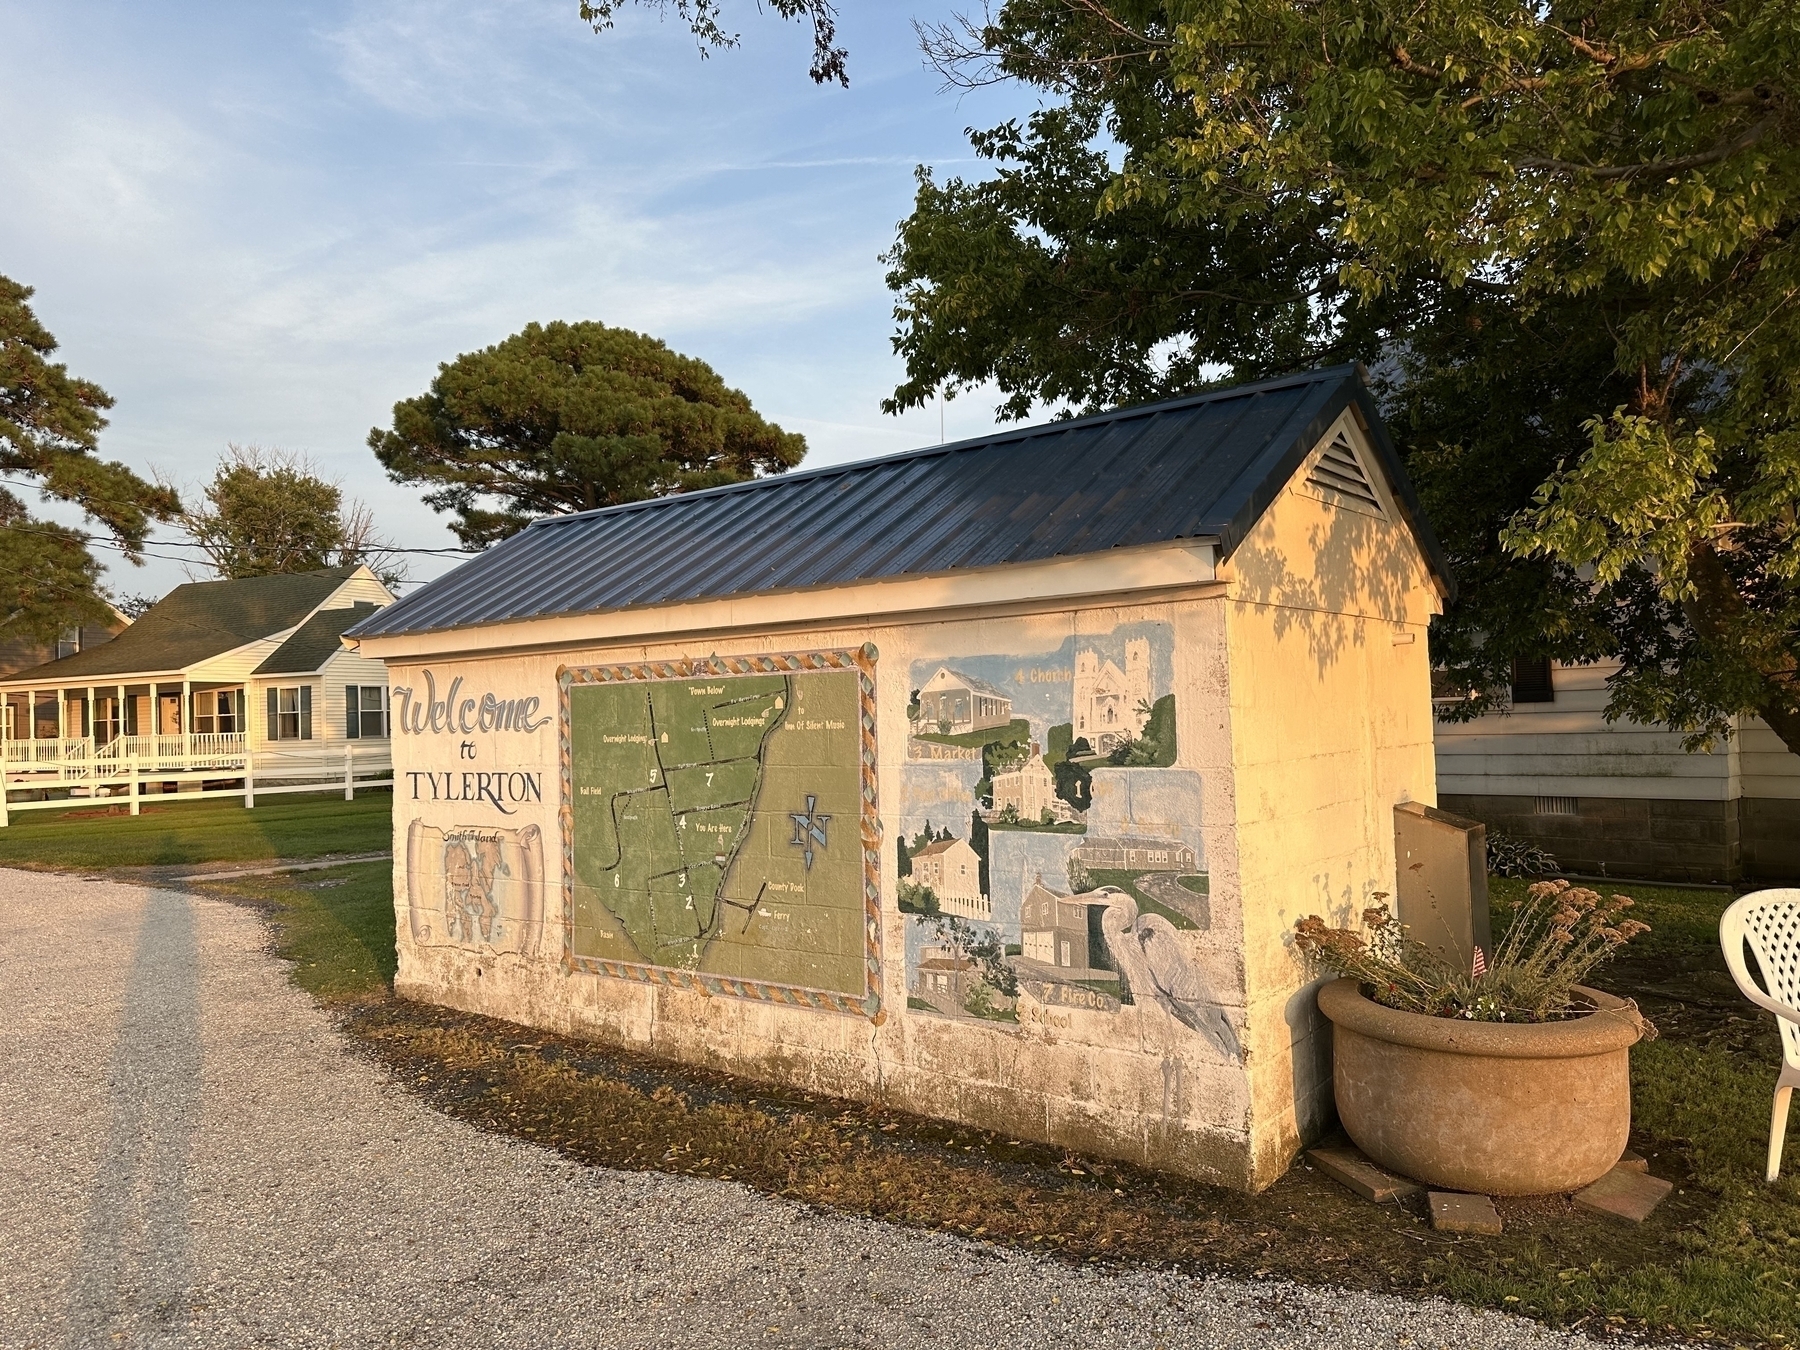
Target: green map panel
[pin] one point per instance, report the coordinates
(716, 826)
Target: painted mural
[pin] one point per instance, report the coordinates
(1051, 856)
(719, 825)
(475, 887)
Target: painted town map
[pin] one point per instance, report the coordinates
(715, 827)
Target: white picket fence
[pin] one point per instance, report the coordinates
(123, 767)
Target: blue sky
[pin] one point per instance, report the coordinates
(267, 223)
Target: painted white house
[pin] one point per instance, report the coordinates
(1030, 790)
(1622, 799)
(952, 703)
(953, 871)
(213, 672)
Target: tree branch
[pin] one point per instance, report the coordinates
(1722, 151)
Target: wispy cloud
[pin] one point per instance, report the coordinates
(258, 224)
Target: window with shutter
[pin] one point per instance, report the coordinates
(1531, 681)
(374, 710)
(290, 713)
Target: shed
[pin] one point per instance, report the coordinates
(657, 767)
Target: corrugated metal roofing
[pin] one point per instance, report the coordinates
(979, 686)
(1203, 467)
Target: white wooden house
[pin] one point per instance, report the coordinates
(216, 676)
(954, 704)
(1621, 798)
(953, 872)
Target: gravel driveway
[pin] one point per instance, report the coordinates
(190, 1155)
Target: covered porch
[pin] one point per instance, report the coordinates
(74, 733)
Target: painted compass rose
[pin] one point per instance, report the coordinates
(809, 829)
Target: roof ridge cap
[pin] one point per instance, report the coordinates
(967, 445)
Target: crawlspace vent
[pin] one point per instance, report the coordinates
(1339, 470)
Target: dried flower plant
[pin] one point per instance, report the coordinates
(1554, 938)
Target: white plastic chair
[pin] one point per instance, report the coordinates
(1770, 922)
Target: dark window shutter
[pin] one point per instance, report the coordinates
(306, 712)
(274, 715)
(352, 712)
(1531, 681)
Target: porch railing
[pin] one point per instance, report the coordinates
(52, 771)
(50, 752)
(197, 750)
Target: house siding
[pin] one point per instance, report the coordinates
(1622, 798)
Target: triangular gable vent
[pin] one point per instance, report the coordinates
(1339, 469)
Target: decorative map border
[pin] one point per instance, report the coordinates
(862, 660)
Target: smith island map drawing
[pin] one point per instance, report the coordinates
(719, 825)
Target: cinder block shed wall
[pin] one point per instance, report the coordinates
(1330, 707)
(1131, 1083)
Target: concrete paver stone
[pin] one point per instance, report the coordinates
(1457, 1212)
(1351, 1167)
(1625, 1194)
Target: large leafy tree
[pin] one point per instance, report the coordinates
(267, 512)
(1564, 231)
(1038, 278)
(568, 417)
(50, 423)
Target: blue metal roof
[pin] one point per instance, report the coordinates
(1204, 468)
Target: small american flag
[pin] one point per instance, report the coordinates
(1478, 967)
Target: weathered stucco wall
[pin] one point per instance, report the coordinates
(1329, 704)
(1143, 1073)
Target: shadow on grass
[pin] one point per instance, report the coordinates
(335, 924)
(97, 834)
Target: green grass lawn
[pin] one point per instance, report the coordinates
(335, 924)
(1016, 730)
(90, 835)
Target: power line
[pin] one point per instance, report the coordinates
(180, 543)
(90, 541)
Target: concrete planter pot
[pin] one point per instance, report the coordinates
(1484, 1106)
